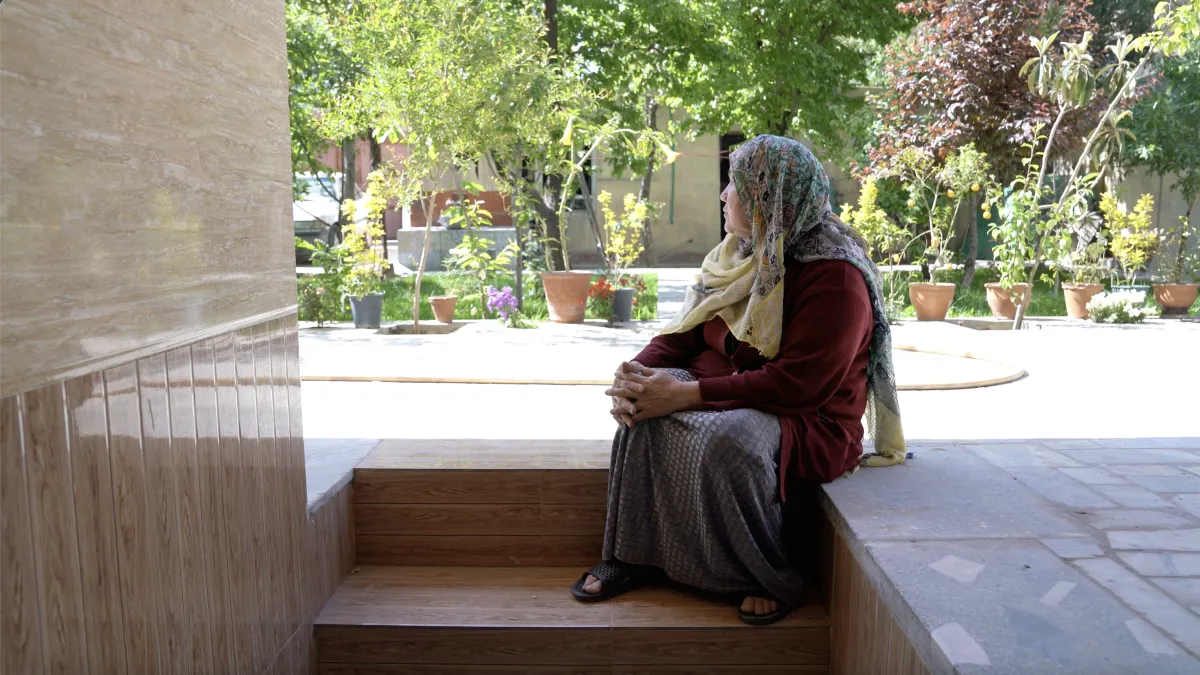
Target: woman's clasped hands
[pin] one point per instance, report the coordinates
(639, 393)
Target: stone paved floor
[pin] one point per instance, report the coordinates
(1036, 557)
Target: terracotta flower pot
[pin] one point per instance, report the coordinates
(931, 301)
(1002, 300)
(443, 307)
(1078, 296)
(1175, 299)
(566, 295)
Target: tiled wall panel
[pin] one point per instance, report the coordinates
(154, 516)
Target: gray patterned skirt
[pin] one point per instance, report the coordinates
(696, 495)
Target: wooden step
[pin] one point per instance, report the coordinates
(447, 620)
(474, 502)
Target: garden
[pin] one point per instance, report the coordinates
(992, 143)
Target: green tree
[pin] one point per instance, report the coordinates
(452, 80)
(638, 56)
(786, 68)
(1166, 126)
(1118, 18)
(956, 80)
(1069, 78)
(320, 67)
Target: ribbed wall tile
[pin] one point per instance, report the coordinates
(154, 516)
(96, 523)
(20, 627)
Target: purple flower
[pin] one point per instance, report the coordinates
(501, 301)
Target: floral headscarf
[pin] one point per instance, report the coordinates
(784, 192)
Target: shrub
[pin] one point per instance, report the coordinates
(1119, 307)
(317, 302)
(1134, 240)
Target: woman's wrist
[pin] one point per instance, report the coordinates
(688, 395)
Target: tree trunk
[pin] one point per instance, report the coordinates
(551, 18)
(519, 266)
(554, 183)
(427, 205)
(1181, 255)
(648, 254)
(554, 243)
(349, 184)
(972, 247)
(349, 164)
(389, 271)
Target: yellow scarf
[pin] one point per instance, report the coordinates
(723, 289)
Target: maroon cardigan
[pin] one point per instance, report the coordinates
(817, 382)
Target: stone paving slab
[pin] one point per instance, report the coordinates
(946, 492)
(1069, 556)
(1021, 609)
(329, 465)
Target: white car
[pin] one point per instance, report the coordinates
(315, 216)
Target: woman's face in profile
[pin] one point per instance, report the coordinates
(735, 218)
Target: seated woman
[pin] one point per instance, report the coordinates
(760, 382)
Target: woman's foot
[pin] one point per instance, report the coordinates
(753, 606)
(591, 585)
(760, 611)
(606, 580)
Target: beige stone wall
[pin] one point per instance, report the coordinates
(697, 184)
(145, 192)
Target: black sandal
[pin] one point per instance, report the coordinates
(616, 578)
(781, 611)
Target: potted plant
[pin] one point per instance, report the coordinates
(628, 287)
(1087, 277)
(622, 244)
(364, 288)
(1016, 233)
(1134, 240)
(1177, 270)
(567, 291)
(473, 258)
(364, 268)
(935, 197)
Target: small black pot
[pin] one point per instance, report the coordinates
(622, 305)
(367, 310)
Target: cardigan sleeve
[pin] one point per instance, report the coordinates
(674, 350)
(830, 318)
